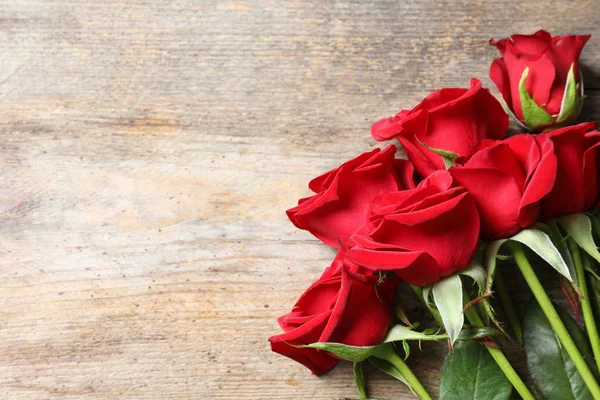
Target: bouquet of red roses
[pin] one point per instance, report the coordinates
(468, 201)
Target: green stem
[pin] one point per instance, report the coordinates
(555, 321)
(387, 353)
(499, 356)
(509, 309)
(586, 305)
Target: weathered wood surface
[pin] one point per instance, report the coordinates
(148, 150)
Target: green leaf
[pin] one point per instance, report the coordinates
(542, 245)
(547, 360)
(471, 373)
(448, 298)
(360, 381)
(579, 227)
(534, 116)
(570, 106)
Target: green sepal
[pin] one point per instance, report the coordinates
(535, 239)
(535, 117)
(572, 99)
(579, 227)
(449, 157)
(359, 379)
(384, 359)
(512, 115)
(560, 241)
(490, 257)
(541, 244)
(479, 332)
(387, 368)
(360, 353)
(400, 313)
(448, 298)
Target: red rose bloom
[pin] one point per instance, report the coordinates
(338, 208)
(422, 234)
(507, 179)
(346, 305)
(449, 119)
(549, 60)
(576, 186)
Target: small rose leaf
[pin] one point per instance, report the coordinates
(359, 380)
(547, 360)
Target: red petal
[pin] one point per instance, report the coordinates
(497, 196)
(499, 75)
(318, 362)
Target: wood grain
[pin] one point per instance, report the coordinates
(149, 149)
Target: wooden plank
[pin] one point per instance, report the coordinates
(148, 151)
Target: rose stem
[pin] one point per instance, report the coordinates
(586, 306)
(554, 319)
(498, 356)
(508, 307)
(388, 354)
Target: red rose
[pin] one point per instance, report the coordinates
(449, 119)
(338, 208)
(421, 234)
(507, 179)
(576, 187)
(346, 305)
(549, 60)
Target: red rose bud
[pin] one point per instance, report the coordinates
(421, 234)
(507, 179)
(538, 76)
(451, 119)
(338, 208)
(577, 149)
(346, 305)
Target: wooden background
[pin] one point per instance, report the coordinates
(148, 150)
